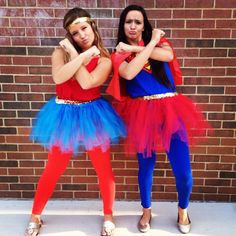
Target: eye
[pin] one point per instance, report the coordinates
(128, 21)
(74, 33)
(138, 22)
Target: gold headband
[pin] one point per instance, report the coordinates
(79, 20)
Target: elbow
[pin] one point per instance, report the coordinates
(57, 80)
(127, 76)
(85, 86)
(170, 57)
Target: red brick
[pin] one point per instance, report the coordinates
(200, 24)
(185, 33)
(165, 24)
(198, 62)
(169, 3)
(216, 197)
(220, 150)
(227, 190)
(3, 3)
(5, 41)
(211, 71)
(187, 13)
(197, 80)
(199, 4)
(215, 33)
(111, 4)
(22, 3)
(14, 70)
(224, 4)
(12, 31)
(157, 14)
(218, 166)
(26, 60)
(215, 13)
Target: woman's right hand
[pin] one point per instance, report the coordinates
(156, 35)
(90, 53)
(123, 47)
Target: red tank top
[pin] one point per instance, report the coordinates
(71, 89)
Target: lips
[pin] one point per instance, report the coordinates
(132, 32)
(85, 41)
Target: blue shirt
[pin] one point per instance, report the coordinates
(145, 84)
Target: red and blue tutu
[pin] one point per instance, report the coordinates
(77, 119)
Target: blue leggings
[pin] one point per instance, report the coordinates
(179, 158)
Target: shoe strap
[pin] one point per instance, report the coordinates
(108, 226)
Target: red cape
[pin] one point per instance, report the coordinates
(116, 85)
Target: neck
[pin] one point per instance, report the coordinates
(134, 41)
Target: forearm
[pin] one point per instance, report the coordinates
(68, 70)
(158, 53)
(136, 65)
(95, 78)
(84, 78)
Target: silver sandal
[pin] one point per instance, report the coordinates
(108, 227)
(33, 228)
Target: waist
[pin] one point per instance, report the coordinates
(158, 96)
(73, 102)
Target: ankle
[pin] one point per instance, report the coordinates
(183, 216)
(182, 212)
(108, 217)
(147, 211)
(35, 218)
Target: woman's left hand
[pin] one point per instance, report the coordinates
(156, 35)
(68, 47)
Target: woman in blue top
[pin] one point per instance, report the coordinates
(157, 117)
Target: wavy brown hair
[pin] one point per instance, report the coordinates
(75, 13)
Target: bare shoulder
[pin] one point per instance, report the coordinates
(58, 56)
(58, 51)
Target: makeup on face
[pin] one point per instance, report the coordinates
(82, 33)
(134, 26)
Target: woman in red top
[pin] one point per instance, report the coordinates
(77, 118)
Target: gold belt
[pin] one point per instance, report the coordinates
(159, 96)
(64, 101)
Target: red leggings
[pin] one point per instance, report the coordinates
(56, 165)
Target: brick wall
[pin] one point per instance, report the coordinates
(203, 33)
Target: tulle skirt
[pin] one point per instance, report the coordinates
(76, 127)
(153, 123)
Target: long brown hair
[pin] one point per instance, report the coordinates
(75, 13)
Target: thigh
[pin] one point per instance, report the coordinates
(179, 157)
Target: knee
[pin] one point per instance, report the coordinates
(185, 180)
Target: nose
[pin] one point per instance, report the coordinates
(81, 34)
(132, 25)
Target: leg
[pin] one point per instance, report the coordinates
(180, 162)
(102, 166)
(56, 165)
(145, 180)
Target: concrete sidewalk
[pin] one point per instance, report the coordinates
(84, 218)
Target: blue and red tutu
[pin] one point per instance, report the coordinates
(77, 127)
